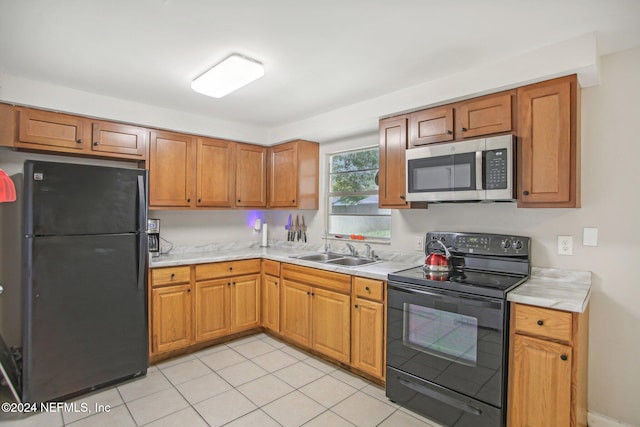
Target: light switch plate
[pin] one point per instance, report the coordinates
(590, 236)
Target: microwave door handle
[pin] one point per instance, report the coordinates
(479, 174)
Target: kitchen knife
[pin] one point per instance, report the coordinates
(288, 227)
(304, 230)
(297, 232)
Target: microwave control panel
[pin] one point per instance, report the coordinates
(495, 169)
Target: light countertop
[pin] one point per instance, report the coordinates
(284, 251)
(567, 290)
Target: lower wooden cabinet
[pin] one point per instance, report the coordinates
(547, 367)
(270, 295)
(171, 318)
(226, 300)
(367, 327)
(315, 310)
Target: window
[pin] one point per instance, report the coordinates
(353, 196)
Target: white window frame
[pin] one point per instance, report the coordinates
(328, 195)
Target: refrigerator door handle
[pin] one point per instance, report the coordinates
(143, 245)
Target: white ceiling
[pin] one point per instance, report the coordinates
(318, 56)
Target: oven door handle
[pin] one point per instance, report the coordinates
(441, 397)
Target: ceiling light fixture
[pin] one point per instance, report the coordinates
(229, 75)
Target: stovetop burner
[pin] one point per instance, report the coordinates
(483, 264)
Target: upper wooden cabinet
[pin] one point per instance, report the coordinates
(56, 132)
(484, 115)
(473, 118)
(251, 173)
(216, 165)
(118, 138)
(431, 126)
(172, 159)
(549, 152)
(293, 172)
(53, 130)
(392, 169)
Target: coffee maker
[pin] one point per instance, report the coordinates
(153, 231)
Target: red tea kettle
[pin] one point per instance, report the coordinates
(436, 262)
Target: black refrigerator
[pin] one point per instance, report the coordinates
(84, 278)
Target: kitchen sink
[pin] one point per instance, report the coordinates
(319, 257)
(335, 259)
(351, 261)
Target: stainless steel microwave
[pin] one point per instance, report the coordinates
(475, 170)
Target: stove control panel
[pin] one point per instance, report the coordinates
(481, 243)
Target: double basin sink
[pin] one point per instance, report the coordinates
(336, 259)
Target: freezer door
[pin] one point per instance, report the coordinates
(85, 314)
(71, 199)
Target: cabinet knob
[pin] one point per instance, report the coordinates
(366, 288)
(189, 290)
(229, 284)
(275, 283)
(525, 192)
(173, 275)
(230, 268)
(79, 141)
(449, 132)
(234, 283)
(239, 200)
(355, 306)
(96, 143)
(308, 293)
(189, 200)
(540, 322)
(463, 129)
(293, 201)
(402, 197)
(312, 294)
(564, 357)
(199, 200)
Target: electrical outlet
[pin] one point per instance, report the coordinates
(565, 245)
(420, 243)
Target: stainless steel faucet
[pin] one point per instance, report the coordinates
(368, 246)
(352, 249)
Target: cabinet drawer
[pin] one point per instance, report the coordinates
(316, 277)
(272, 268)
(226, 269)
(368, 288)
(170, 275)
(544, 322)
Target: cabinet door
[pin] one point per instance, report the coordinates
(548, 144)
(171, 169)
(245, 302)
(212, 309)
(117, 138)
(251, 175)
(367, 337)
(430, 126)
(216, 173)
(484, 116)
(171, 318)
(295, 312)
(51, 130)
(392, 179)
(283, 175)
(331, 326)
(271, 302)
(539, 383)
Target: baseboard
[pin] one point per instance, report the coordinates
(599, 420)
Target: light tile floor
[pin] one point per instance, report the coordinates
(253, 381)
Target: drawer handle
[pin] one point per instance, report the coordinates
(564, 357)
(540, 322)
(173, 276)
(366, 288)
(230, 268)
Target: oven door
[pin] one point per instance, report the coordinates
(455, 341)
(447, 172)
